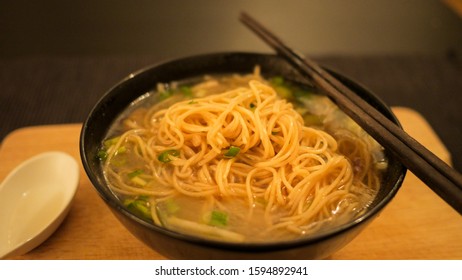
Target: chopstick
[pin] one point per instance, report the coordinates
(435, 173)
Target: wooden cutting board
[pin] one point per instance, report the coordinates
(417, 224)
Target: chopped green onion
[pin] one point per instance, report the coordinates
(112, 141)
(135, 178)
(166, 156)
(232, 152)
(139, 207)
(218, 218)
(101, 154)
(121, 150)
(135, 173)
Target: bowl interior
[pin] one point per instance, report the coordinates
(120, 96)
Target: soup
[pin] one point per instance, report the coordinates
(241, 158)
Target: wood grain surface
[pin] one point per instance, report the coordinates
(417, 224)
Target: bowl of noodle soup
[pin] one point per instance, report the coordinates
(236, 156)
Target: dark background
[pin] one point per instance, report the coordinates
(58, 57)
(178, 28)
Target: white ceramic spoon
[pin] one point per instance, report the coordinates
(34, 199)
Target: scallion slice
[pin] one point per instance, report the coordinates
(139, 207)
(135, 173)
(218, 218)
(166, 156)
(232, 152)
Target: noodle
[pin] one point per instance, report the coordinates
(287, 179)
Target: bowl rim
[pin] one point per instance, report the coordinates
(106, 194)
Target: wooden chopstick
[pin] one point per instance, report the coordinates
(435, 173)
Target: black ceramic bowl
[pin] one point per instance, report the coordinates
(180, 246)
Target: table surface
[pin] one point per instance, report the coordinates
(417, 224)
